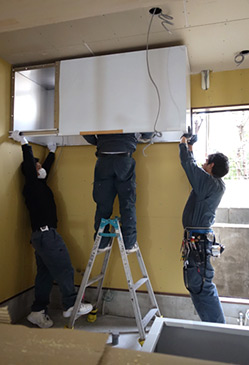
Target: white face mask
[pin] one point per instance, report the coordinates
(42, 173)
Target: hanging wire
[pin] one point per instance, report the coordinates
(165, 20)
(239, 58)
(151, 78)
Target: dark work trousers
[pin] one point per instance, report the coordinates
(53, 263)
(115, 175)
(198, 280)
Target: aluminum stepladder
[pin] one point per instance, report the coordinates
(133, 287)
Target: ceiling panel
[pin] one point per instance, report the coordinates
(214, 31)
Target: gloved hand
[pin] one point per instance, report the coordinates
(186, 135)
(16, 136)
(193, 139)
(145, 137)
(52, 147)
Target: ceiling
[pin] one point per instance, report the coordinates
(40, 31)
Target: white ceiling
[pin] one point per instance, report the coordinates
(40, 31)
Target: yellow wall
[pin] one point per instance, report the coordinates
(162, 190)
(161, 193)
(16, 256)
(226, 88)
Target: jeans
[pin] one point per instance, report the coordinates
(115, 175)
(204, 295)
(53, 263)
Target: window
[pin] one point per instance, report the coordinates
(226, 130)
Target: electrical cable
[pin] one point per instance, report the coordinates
(239, 58)
(156, 133)
(165, 20)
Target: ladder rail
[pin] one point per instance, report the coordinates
(103, 272)
(148, 283)
(141, 322)
(134, 299)
(84, 281)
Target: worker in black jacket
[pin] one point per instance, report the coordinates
(52, 257)
(115, 175)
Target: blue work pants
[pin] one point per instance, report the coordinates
(53, 263)
(115, 175)
(198, 280)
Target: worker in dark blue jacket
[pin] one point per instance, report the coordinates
(199, 239)
(115, 175)
(52, 257)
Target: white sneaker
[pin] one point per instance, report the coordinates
(104, 248)
(84, 309)
(41, 319)
(132, 249)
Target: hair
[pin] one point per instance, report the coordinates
(24, 166)
(221, 164)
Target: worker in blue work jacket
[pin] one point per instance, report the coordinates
(198, 217)
(115, 175)
(52, 257)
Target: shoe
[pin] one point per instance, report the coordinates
(41, 319)
(132, 249)
(84, 309)
(103, 249)
(105, 244)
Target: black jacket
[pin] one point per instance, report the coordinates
(124, 142)
(39, 197)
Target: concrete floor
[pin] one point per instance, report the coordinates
(123, 332)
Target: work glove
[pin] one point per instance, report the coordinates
(145, 137)
(15, 135)
(144, 140)
(186, 135)
(193, 139)
(52, 147)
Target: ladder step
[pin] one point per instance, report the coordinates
(139, 283)
(148, 317)
(95, 279)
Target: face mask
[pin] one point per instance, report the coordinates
(42, 173)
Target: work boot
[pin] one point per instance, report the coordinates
(41, 319)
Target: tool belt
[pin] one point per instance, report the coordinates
(198, 244)
(201, 242)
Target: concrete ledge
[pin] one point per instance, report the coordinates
(19, 306)
(118, 303)
(232, 215)
(231, 225)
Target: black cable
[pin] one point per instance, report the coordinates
(239, 58)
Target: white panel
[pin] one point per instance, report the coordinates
(28, 104)
(114, 92)
(33, 100)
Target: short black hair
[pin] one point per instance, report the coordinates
(221, 164)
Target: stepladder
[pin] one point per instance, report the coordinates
(153, 311)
